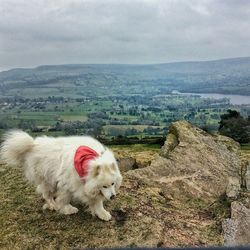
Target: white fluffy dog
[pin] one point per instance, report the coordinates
(65, 168)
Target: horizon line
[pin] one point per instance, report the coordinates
(128, 64)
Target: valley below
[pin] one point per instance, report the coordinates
(108, 101)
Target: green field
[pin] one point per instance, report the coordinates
(112, 116)
(245, 146)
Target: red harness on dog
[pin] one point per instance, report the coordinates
(83, 155)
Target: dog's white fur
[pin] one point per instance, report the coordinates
(49, 164)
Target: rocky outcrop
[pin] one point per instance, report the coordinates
(193, 163)
(193, 170)
(176, 201)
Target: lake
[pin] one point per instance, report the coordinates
(234, 99)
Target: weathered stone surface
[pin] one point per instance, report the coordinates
(169, 145)
(237, 229)
(193, 163)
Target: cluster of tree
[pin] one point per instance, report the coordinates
(3, 125)
(124, 140)
(122, 132)
(98, 115)
(233, 125)
(155, 130)
(27, 125)
(91, 127)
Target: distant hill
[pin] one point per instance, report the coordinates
(226, 76)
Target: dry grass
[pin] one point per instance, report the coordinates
(245, 152)
(26, 226)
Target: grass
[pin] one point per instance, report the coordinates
(138, 147)
(24, 225)
(70, 117)
(47, 113)
(245, 147)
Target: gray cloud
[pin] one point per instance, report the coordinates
(121, 31)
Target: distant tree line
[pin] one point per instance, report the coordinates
(233, 125)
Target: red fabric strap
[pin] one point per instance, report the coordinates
(83, 155)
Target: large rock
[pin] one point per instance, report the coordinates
(193, 171)
(193, 163)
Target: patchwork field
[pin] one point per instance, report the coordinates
(114, 116)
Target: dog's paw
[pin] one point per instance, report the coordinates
(106, 216)
(48, 206)
(68, 209)
(45, 206)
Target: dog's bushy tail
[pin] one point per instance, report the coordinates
(14, 147)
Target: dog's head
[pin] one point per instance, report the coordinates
(104, 176)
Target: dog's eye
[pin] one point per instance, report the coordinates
(113, 184)
(104, 186)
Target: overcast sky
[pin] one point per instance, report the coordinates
(36, 32)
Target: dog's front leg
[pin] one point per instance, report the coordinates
(97, 208)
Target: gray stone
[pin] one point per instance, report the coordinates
(237, 229)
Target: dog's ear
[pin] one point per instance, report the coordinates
(118, 183)
(96, 170)
(113, 167)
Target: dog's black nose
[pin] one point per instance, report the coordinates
(112, 197)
